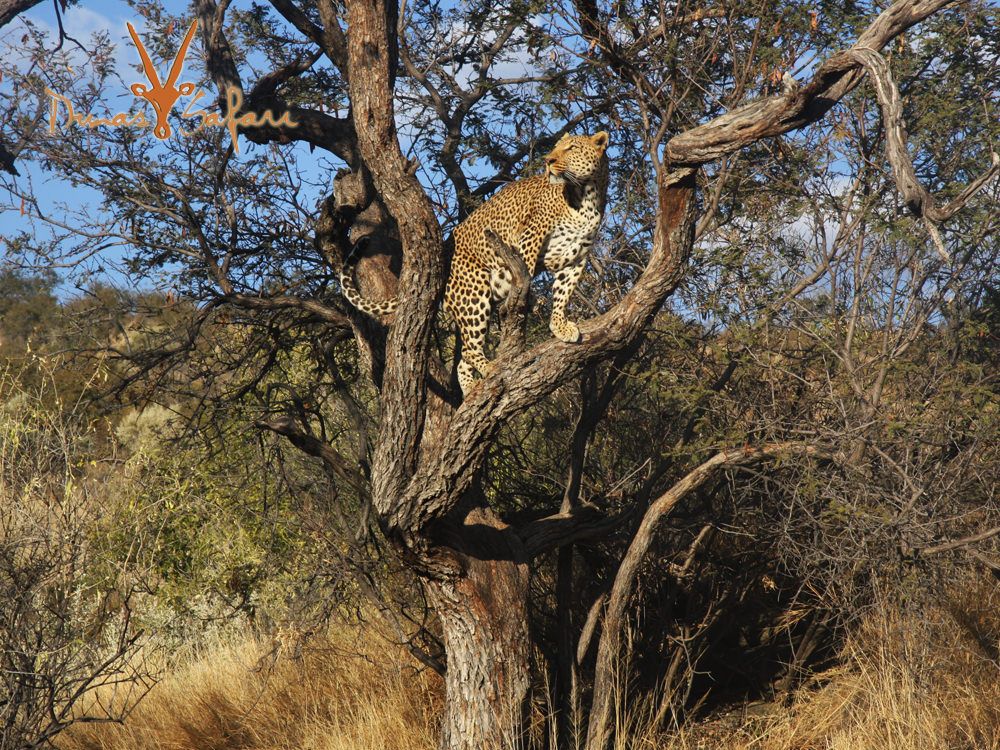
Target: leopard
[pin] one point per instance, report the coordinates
(550, 219)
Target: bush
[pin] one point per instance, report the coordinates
(64, 631)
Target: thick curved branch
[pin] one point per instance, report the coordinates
(625, 580)
(317, 128)
(11, 9)
(526, 378)
(334, 40)
(917, 198)
(219, 59)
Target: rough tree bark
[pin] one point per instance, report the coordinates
(483, 610)
(473, 566)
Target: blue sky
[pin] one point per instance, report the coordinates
(80, 22)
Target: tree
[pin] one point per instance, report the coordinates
(9, 10)
(421, 464)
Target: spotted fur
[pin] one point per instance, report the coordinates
(551, 219)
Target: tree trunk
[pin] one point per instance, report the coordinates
(484, 618)
(565, 687)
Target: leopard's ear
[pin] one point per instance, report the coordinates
(600, 139)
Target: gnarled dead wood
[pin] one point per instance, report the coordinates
(917, 198)
(516, 306)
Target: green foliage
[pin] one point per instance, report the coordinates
(27, 308)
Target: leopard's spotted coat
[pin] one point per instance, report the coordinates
(551, 218)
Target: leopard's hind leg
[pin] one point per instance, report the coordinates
(468, 302)
(566, 279)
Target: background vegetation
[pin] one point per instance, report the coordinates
(190, 554)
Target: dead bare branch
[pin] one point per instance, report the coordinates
(313, 446)
(917, 198)
(958, 543)
(512, 339)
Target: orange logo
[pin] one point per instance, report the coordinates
(163, 96)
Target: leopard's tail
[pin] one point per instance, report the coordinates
(353, 294)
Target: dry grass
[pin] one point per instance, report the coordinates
(331, 697)
(927, 681)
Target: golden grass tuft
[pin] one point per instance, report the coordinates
(920, 681)
(918, 678)
(331, 697)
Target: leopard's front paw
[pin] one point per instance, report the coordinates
(565, 330)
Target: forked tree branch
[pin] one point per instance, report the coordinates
(527, 378)
(523, 380)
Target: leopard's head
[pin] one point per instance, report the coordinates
(576, 158)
